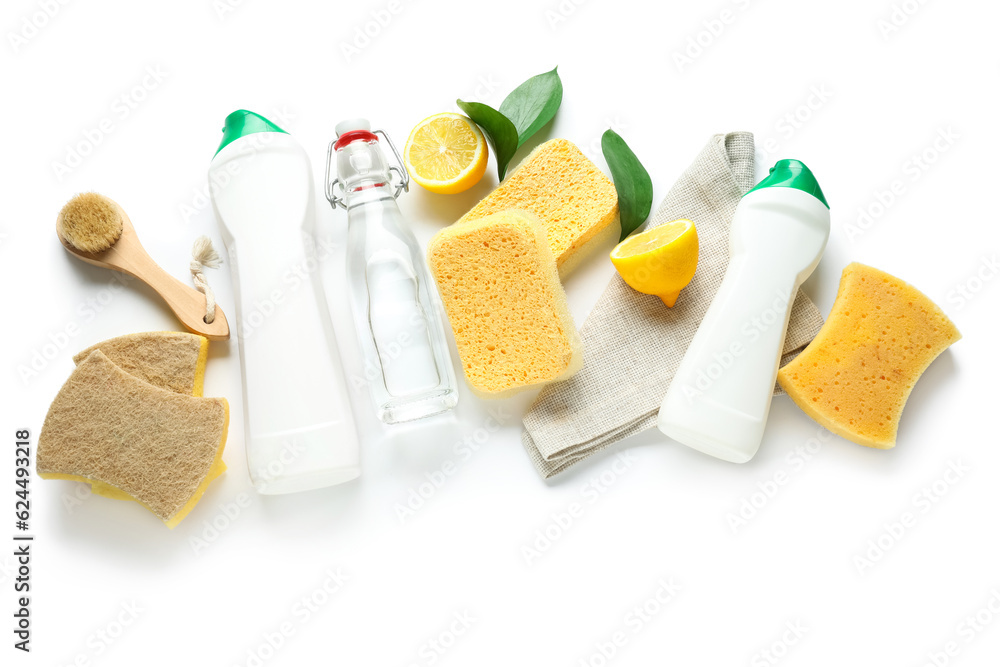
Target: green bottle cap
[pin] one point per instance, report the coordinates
(792, 174)
(241, 123)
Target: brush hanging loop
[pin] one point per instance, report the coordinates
(203, 254)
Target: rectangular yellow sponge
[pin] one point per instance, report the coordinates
(573, 199)
(500, 287)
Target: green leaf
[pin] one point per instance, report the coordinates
(533, 104)
(635, 189)
(499, 131)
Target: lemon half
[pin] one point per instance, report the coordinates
(660, 261)
(446, 153)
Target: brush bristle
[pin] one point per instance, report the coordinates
(90, 222)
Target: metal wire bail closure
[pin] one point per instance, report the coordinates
(334, 189)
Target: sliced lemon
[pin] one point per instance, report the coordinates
(446, 153)
(660, 261)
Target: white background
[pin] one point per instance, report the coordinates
(877, 101)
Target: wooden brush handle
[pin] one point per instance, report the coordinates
(186, 302)
(128, 256)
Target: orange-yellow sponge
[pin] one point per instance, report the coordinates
(855, 376)
(500, 287)
(575, 202)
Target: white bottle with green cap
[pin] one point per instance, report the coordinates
(300, 431)
(720, 396)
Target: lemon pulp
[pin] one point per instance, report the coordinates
(660, 261)
(446, 153)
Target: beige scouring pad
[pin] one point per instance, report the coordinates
(169, 360)
(109, 428)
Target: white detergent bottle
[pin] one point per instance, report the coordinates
(300, 431)
(719, 398)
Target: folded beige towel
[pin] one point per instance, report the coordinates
(632, 343)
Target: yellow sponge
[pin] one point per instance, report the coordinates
(855, 376)
(500, 287)
(109, 428)
(166, 359)
(574, 200)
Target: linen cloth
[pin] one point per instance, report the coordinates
(633, 343)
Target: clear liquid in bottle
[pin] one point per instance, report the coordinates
(407, 364)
